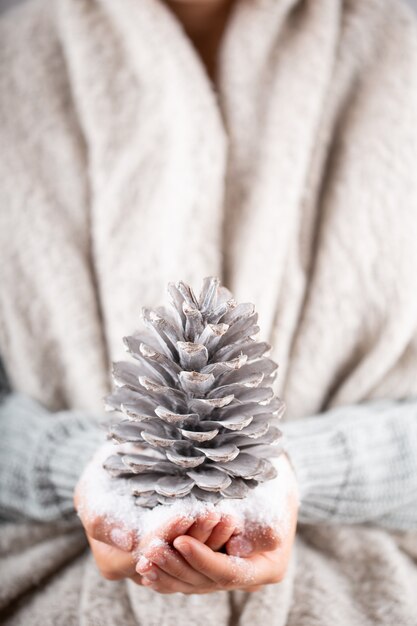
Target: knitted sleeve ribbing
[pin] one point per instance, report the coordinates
(357, 464)
(41, 457)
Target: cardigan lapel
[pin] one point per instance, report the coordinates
(275, 71)
(157, 155)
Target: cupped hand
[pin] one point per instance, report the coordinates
(183, 555)
(255, 557)
(117, 549)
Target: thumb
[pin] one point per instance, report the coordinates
(256, 537)
(252, 540)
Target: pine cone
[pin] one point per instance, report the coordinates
(198, 401)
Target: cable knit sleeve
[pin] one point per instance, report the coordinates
(41, 457)
(357, 464)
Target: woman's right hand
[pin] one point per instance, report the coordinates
(117, 550)
(112, 545)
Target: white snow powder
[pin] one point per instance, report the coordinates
(109, 497)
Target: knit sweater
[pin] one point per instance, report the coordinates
(293, 180)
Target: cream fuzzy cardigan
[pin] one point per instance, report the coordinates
(294, 182)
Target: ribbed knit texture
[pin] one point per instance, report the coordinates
(41, 458)
(357, 464)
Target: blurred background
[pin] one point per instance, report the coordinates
(4, 4)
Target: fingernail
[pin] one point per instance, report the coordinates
(242, 547)
(208, 524)
(143, 564)
(183, 547)
(159, 559)
(228, 525)
(121, 539)
(152, 575)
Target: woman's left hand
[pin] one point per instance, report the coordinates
(258, 557)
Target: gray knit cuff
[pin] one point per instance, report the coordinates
(42, 455)
(321, 461)
(69, 445)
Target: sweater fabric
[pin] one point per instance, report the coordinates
(293, 181)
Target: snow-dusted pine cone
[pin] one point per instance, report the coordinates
(198, 402)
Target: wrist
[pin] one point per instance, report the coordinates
(320, 460)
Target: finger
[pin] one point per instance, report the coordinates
(162, 582)
(226, 571)
(137, 578)
(169, 561)
(166, 533)
(254, 539)
(203, 526)
(114, 564)
(106, 531)
(221, 533)
(258, 539)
